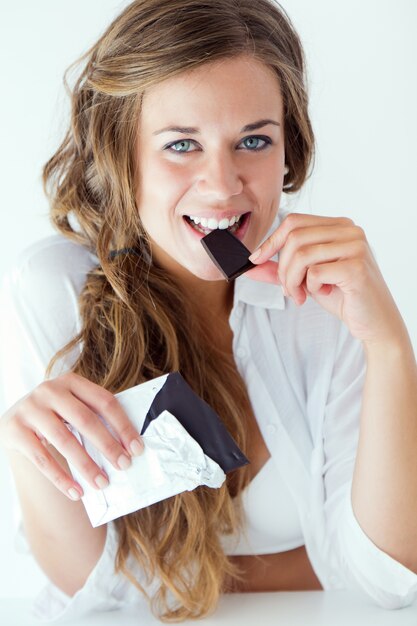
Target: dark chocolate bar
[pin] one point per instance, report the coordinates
(227, 252)
(199, 420)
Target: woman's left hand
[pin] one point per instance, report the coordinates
(329, 258)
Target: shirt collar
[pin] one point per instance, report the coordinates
(257, 293)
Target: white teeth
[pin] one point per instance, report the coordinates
(212, 223)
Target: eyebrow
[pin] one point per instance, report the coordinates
(190, 130)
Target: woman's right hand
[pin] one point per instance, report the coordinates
(39, 420)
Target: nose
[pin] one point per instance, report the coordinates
(219, 177)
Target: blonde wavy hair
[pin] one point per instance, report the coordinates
(136, 322)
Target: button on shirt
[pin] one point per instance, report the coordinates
(304, 373)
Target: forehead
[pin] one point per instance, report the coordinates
(237, 87)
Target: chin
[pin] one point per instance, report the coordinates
(203, 272)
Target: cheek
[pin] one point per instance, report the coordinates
(267, 185)
(266, 189)
(165, 183)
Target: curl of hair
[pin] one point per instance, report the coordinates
(136, 322)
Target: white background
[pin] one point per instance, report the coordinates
(361, 59)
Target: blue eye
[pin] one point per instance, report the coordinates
(266, 141)
(179, 143)
(253, 143)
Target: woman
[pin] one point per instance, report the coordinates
(188, 111)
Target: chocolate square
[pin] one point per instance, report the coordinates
(227, 252)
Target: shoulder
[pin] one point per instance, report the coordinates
(39, 298)
(48, 273)
(49, 262)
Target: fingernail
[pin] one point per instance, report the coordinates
(136, 447)
(124, 462)
(101, 481)
(73, 493)
(255, 255)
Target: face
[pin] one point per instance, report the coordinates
(213, 167)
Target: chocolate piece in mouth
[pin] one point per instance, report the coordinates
(228, 253)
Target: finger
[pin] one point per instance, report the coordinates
(54, 432)
(32, 449)
(267, 272)
(309, 256)
(337, 273)
(293, 221)
(107, 406)
(88, 424)
(99, 402)
(301, 237)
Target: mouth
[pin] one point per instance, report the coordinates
(238, 228)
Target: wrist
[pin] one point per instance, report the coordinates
(395, 345)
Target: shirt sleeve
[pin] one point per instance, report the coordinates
(38, 316)
(363, 565)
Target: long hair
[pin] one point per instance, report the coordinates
(136, 322)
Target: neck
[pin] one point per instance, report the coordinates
(211, 300)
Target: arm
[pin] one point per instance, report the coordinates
(357, 558)
(384, 488)
(55, 521)
(283, 571)
(58, 529)
(330, 260)
(38, 315)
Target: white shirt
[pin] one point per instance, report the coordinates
(304, 374)
(271, 524)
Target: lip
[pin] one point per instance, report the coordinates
(239, 234)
